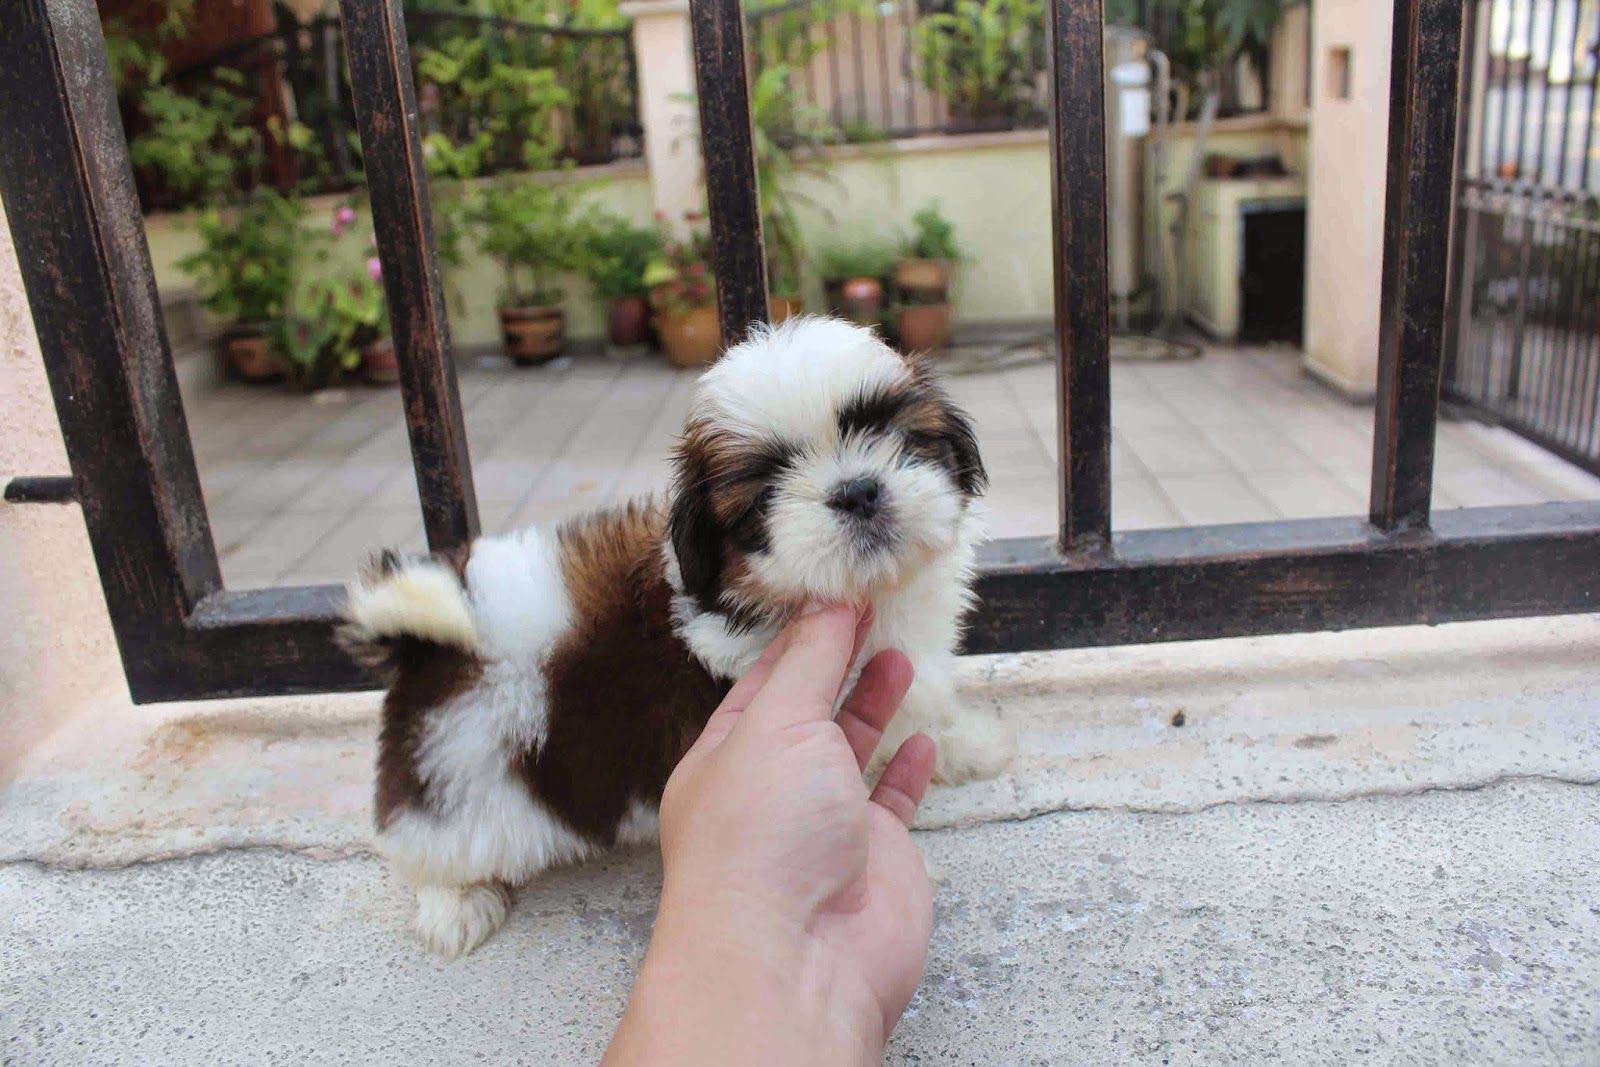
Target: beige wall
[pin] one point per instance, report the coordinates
(56, 649)
(995, 187)
(1348, 151)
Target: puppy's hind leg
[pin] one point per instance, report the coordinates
(452, 920)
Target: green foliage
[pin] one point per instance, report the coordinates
(502, 113)
(617, 254)
(934, 236)
(534, 229)
(787, 138)
(871, 258)
(337, 307)
(248, 258)
(1205, 36)
(983, 57)
(337, 316)
(679, 276)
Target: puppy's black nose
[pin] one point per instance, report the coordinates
(859, 497)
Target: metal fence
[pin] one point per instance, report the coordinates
(64, 175)
(1525, 337)
(901, 68)
(299, 75)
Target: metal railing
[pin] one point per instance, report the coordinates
(64, 175)
(1524, 347)
(892, 70)
(299, 75)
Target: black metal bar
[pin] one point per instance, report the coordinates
(1461, 215)
(1594, 110)
(1566, 96)
(68, 192)
(1160, 585)
(386, 113)
(1544, 92)
(1495, 171)
(732, 193)
(1082, 300)
(1284, 577)
(41, 489)
(1424, 89)
(1522, 97)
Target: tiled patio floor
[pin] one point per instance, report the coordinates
(301, 488)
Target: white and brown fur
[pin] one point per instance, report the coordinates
(544, 685)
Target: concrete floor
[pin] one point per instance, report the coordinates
(1443, 928)
(1363, 847)
(301, 489)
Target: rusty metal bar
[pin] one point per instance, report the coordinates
(732, 193)
(1425, 86)
(386, 114)
(68, 191)
(1083, 327)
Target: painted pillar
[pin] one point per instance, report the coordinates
(664, 58)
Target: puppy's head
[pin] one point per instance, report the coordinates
(816, 463)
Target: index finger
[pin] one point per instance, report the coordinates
(805, 682)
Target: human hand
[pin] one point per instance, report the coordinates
(795, 910)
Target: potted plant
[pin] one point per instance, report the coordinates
(922, 282)
(617, 254)
(854, 278)
(245, 271)
(929, 255)
(340, 326)
(684, 297)
(338, 321)
(530, 226)
(984, 57)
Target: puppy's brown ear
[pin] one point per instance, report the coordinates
(693, 529)
(968, 464)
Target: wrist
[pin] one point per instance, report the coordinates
(735, 976)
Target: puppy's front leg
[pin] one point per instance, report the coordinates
(452, 920)
(972, 744)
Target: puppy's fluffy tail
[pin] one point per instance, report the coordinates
(399, 607)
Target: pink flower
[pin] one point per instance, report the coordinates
(374, 269)
(342, 220)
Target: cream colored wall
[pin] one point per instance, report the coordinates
(995, 187)
(620, 188)
(1348, 153)
(56, 649)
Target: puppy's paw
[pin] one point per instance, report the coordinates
(452, 920)
(972, 746)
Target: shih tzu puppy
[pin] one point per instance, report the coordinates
(543, 685)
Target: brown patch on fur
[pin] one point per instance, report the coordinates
(624, 697)
(426, 676)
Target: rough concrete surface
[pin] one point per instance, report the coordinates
(1365, 847)
(1446, 927)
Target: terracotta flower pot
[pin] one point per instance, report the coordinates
(923, 276)
(783, 307)
(248, 353)
(691, 338)
(533, 335)
(628, 321)
(379, 364)
(923, 327)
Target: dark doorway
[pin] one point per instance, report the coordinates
(1273, 276)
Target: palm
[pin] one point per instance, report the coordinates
(880, 934)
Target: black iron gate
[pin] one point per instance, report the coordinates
(69, 197)
(1525, 333)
